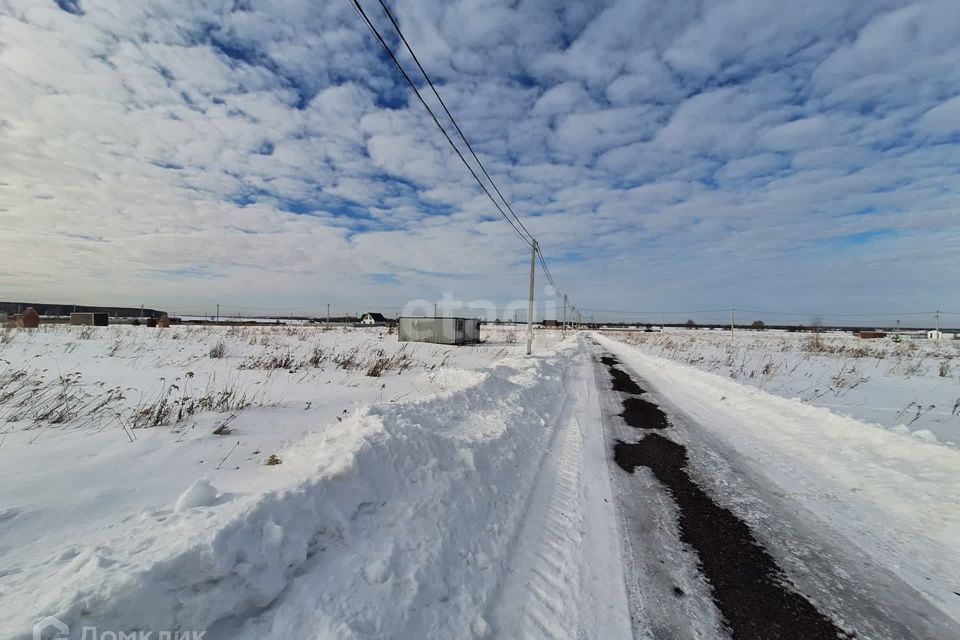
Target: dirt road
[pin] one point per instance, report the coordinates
(696, 568)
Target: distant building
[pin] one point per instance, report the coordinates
(373, 319)
(64, 310)
(871, 335)
(940, 335)
(89, 319)
(551, 323)
(440, 330)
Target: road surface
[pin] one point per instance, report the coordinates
(711, 550)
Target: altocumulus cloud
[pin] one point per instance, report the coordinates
(683, 154)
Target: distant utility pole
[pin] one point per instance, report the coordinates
(218, 312)
(434, 309)
(141, 312)
(563, 327)
(938, 326)
(533, 271)
(328, 314)
(733, 320)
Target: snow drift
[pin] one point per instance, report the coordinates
(404, 513)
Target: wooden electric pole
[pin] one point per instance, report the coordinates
(533, 267)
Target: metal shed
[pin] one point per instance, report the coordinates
(440, 330)
(90, 319)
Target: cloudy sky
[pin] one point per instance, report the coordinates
(683, 155)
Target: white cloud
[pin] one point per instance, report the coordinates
(941, 120)
(268, 154)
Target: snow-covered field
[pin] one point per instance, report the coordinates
(138, 490)
(286, 482)
(911, 386)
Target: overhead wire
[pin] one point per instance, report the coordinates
(393, 57)
(518, 224)
(443, 104)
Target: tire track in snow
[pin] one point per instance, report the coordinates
(749, 589)
(539, 598)
(559, 586)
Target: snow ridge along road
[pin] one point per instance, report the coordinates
(858, 518)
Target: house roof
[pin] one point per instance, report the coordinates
(376, 317)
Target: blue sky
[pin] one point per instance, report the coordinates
(682, 155)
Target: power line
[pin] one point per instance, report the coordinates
(443, 104)
(446, 135)
(525, 233)
(546, 271)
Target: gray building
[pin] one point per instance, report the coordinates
(89, 319)
(440, 330)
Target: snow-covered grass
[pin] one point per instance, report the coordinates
(910, 386)
(127, 378)
(180, 478)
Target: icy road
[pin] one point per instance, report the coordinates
(590, 491)
(728, 530)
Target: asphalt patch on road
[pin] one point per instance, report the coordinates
(640, 414)
(749, 589)
(621, 379)
(623, 382)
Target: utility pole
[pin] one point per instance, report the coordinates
(938, 326)
(563, 327)
(434, 309)
(733, 319)
(533, 266)
(328, 315)
(218, 313)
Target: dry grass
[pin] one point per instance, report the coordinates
(97, 378)
(755, 355)
(218, 350)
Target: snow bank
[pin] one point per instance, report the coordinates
(912, 385)
(404, 512)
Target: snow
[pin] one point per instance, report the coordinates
(913, 384)
(864, 491)
(396, 510)
(464, 492)
(200, 494)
